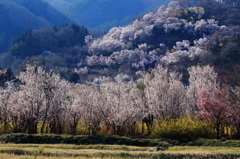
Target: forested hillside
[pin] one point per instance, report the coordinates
(178, 36)
(17, 16)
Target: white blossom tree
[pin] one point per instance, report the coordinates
(200, 77)
(6, 96)
(29, 102)
(120, 110)
(165, 93)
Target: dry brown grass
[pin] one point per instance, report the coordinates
(11, 156)
(62, 151)
(203, 150)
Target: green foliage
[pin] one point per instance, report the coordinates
(141, 86)
(184, 129)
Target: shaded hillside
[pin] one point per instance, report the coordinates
(56, 47)
(16, 16)
(42, 9)
(106, 14)
(60, 5)
(93, 12)
(56, 40)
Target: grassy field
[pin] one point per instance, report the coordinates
(50, 146)
(68, 151)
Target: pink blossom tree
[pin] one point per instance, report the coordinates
(200, 77)
(213, 106)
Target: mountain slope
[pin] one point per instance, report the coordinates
(60, 5)
(177, 37)
(107, 13)
(16, 16)
(42, 9)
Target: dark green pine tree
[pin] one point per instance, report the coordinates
(74, 77)
(7, 76)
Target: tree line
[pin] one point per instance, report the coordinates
(42, 102)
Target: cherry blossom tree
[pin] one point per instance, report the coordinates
(5, 106)
(31, 96)
(206, 26)
(120, 110)
(42, 97)
(200, 77)
(213, 106)
(165, 93)
(57, 112)
(183, 50)
(93, 116)
(75, 106)
(234, 99)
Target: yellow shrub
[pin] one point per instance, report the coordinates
(1, 128)
(46, 128)
(104, 130)
(185, 129)
(141, 128)
(81, 129)
(5, 129)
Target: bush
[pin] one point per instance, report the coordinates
(183, 129)
(77, 139)
(215, 143)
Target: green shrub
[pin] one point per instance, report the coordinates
(184, 129)
(214, 142)
(77, 139)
